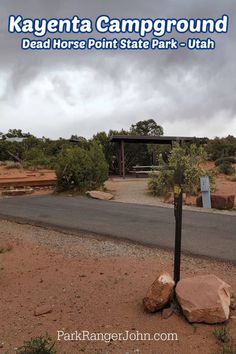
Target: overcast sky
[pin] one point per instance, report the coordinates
(62, 93)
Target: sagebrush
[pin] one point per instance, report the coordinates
(81, 169)
(190, 158)
(38, 345)
(226, 168)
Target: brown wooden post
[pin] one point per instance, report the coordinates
(178, 206)
(123, 158)
(120, 161)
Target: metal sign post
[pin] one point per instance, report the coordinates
(206, 194)
(178, 206)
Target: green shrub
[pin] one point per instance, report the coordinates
(35, 157)
(99, 165)
(38, 345)
(11, 164)
(221, 147)
(221, 160)
(222, 334)
(81, 169)
(232, 178)
(228, 349)
(190, 159)
(225, 340)
(226, 168)
(160, 184)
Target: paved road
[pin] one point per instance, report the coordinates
(206, 234)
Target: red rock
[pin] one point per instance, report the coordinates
(158, 295)
(16, 192)
(168, 198)
(166, 313)
(223, 202)
(204, 298)
(42, 310)
(99, 195)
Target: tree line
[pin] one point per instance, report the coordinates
(59, 154)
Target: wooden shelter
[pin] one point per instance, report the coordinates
(141, 139)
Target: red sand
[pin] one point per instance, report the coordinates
(89, 285)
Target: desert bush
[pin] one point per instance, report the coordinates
(221, 147)
(81, 169)
(226, 168)
(190, 159)
(222, 334)
(35, 158)
(5, 249)
(11, 164)
(232, 178)
(99, 165)
(225, 340)
(38, 345)
(13, 147)
(160, 184)
(221, 160)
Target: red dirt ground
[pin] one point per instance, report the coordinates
(223, 185)
(95, 285)
(23, 175)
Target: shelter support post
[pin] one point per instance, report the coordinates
(120, 162)
(123, 158)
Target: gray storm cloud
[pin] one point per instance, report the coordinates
(64, 92)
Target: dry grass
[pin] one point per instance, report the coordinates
(5, 249)
(232, 178)
(11, 164)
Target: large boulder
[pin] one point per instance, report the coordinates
(204, 298)
(224, 202)
(99, 195)
(158, 295)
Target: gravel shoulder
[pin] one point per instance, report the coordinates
(135, 191)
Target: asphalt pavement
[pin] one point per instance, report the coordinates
(205, 234)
